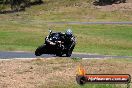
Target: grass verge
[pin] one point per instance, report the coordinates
(59, 72)
(101, 39)
(25, 31)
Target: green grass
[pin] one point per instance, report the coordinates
(25, 31)
(101, 39)
(85, 86)
(99, 86)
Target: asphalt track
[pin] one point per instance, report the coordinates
(75, 22)
(22, 55)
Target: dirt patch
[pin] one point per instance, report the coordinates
(116, 7)
(41, 73)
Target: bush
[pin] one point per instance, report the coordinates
(104, 2)
(18, 4)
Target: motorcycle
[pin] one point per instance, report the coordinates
(56, 46)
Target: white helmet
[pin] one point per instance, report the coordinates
(68, 32)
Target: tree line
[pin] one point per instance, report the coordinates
(105, 2)
(18, 4)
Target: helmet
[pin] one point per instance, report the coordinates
(68, 32)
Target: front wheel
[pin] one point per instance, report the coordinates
(68, 54)
(39, 51)
(59, 54)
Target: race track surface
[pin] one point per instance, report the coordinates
(11, 55)
(74, 22)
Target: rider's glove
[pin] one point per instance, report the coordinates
(51, 43)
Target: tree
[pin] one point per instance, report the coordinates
(17, 5)
(104, 2)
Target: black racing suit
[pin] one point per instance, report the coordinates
(70, 42)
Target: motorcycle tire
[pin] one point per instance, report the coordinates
(59, 54)
(68, 54)
(39, 50)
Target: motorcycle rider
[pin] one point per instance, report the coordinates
(67, 37)
(70, 39)
(58, 43)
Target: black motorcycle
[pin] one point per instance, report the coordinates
(54, 44)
